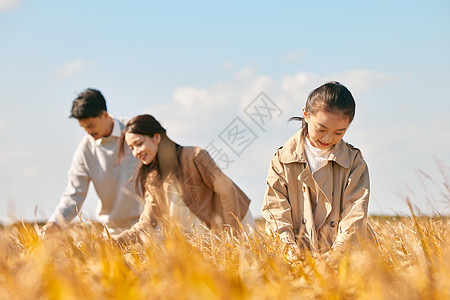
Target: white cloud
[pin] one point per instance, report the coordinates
(192, 107)
(357, 80)
(293, 56)
(70, 68)
(197, 115)
(299, 84)
(205, 110)
(244, 73)
(3, 126)
(227, 66)
(9, 4)
(404, 137)
(257, 84)
(29, 171)
(189, 96)
(426, 137)
(361, 80)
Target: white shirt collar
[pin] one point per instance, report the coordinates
(116, 132)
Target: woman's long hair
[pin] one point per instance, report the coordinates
(166, 162)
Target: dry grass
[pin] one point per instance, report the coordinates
(412, 261)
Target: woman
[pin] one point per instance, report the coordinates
(181, 184)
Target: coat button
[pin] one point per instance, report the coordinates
(303, 189)
(304, 221)
(333, 224)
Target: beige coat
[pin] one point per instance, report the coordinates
(211, 195)
(342, 187)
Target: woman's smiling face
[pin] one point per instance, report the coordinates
(325, 129)
(142, 146)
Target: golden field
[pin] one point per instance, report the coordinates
(411, 261)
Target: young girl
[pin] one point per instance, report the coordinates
(180, 183)
(318, 185)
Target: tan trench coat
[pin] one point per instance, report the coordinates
(211, 195)
(320, 210)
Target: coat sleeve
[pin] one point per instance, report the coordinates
(276, 208)
(77, 187)
(354, 203)
(232, 199)
(148, 221)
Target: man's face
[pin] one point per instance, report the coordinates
(96, 127)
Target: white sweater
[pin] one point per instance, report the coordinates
(316, 157)
(97, 161)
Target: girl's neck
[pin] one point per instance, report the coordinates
(315, 150)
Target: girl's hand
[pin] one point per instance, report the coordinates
(292, 252)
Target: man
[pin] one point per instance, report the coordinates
(96, 160)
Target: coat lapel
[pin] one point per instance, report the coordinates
(324, 180)
(308, 182)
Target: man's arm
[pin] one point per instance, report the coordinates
(74, 194)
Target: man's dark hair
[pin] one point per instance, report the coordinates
(89, 104)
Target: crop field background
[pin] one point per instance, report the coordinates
(411, 261)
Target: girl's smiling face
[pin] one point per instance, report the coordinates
(325, 129)
(142, 146)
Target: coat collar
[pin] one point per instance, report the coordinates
(293, 151)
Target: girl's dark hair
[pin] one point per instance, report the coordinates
(166, 160)
(331, 97)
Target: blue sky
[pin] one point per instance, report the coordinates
(196, 65)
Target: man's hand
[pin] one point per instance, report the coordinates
(50, 228)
